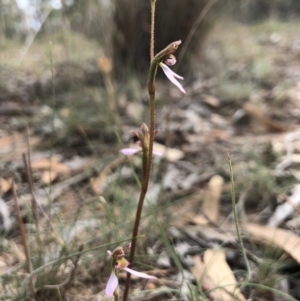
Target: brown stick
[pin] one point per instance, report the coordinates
(270, 124)
(24, 237)
(27, 165)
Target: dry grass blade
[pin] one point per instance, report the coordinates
(216, 277)
(287, 241)
(211, 201)
(221, 273)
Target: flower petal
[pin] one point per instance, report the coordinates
(167, 69)
(171, 76)
(139, 274)
(129, 151)
(112, 284)
(159, 154)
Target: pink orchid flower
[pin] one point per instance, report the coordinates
(133, 151)
(122, 264)
(172, 76)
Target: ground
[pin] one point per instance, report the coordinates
(65, 117)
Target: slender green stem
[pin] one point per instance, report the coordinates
(238, 232)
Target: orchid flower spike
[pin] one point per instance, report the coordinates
(120, 264)
(143, 142)
(172, 76)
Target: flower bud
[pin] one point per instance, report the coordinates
(170, 60)
(145, 129)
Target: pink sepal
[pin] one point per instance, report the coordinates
(139, 274)
(112, 284)
(172, 76)
(129, 151)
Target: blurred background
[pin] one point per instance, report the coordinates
(88, 61)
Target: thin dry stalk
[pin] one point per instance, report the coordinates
(105, 66)
(24, 237)
(147, 153)
(192, 32)
(27, 165)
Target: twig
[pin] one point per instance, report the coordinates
(270, 124)
(24, 238)
(191, 34)
(27, 165)
(28, 148)
(105, 66)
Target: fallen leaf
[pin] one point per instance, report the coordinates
(52, 164)
(171, 154)
(48, 176)
(211, 100)
(12, 147)
(218, 269)
(286, 209)
(3, 266)
(270, 124)
(211, 201)
(216, 277)
(294, 223)
(284, 239)
(223, 235)
(184, 212)
(77, 163)
(5, 185)
(98, 184)
(17, 251)
(5, 215)
(207, 284)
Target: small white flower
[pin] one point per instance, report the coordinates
(172, 76)
(113, 281)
